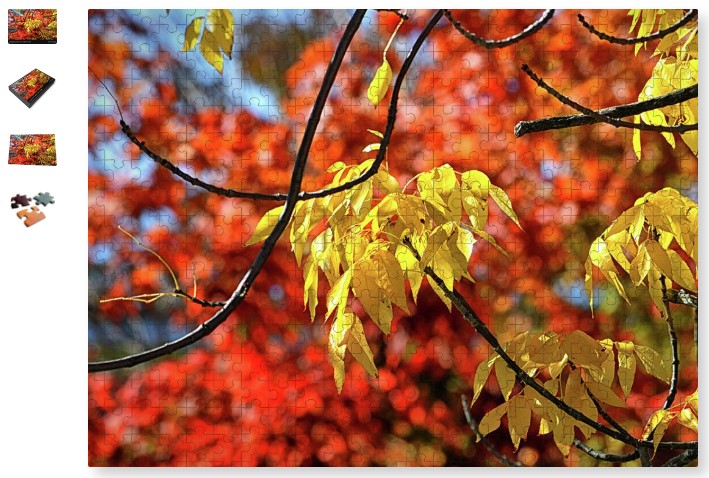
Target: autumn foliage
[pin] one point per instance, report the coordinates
(36, 149)
(30, 84)
(26, 26)
(315, 367)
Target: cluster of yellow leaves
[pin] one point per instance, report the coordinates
(640, 243)
(573, 367)
(677, 67)
(217, 37)
(686, 413)
(371, 239)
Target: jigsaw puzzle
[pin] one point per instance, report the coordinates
(392, 237)
(31, 87)
(31, 26)
(31, 214)
(33, 149)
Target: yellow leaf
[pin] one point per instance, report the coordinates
(365, 286)
(385, 182)
(653, 363)
(687, 418)
(221, 23)
(606, 374)
(391, 278)
(626, 365)
(491, 421)
(265, 225)
(358, 346)
(556, 367)
(505, 378)
(380, 83)
(192, 33)
(583, 350)
(637, 146)
(310, 287)
(481, 375)
(503, 201)
(654, 287)
(410, 267)
(657, 425)
(640, 266)
(337, 297)
(337, 166)
(519, 415)
(605, 394)
(336, 350)
(210, 51)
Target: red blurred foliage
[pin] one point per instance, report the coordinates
(259, 391)
(36, 149)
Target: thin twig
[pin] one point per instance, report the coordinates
(609, 457)
(606, 416)
(490, 44)
(645, 459)
(673, 343)
(398, 13)
(491, 448)
(631, 41)
(683, 459)
(247, 281)
(620, 111)
(680, 128)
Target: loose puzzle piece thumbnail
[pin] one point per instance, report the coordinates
(31, 216)
(20, 200)
(44, 199)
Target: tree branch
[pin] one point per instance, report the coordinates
(247, 281)
(673, 343)
(680, 128)
(609, 457)
(620, 111)
(490, 44)
(491, 448)
(474, 320)
(396, 12)
(631, 41)
(683, 459)
(682, 297)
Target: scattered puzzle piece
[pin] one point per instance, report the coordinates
(31, 216)
(20, 200)
(44, 199)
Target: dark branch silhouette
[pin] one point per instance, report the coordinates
(681, 128)
(683, 459)
(667, 313)
(483, 439)
(490, 44)
(631, 41)
(609, 457)
(620, 111)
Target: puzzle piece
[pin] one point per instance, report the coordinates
(19, 200)
(44, 199)
(31, 216)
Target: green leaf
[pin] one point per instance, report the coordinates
(192, 33)
(380, 83)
